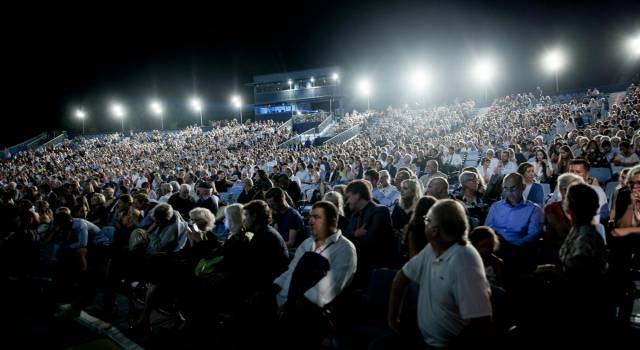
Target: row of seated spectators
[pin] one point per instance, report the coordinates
(155, 210)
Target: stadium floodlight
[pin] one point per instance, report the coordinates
(156, 108)
(119, 112)
(237, 103)
(554, 61)
(290, 82)
(365, 89)
(313, 80)
(634, 46)
(196, 105)
(336, 80)
(484, 72)
(80, 114)
(418, 80)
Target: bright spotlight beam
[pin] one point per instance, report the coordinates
(196, 104)
(554, 61)
(118, 110)
(484, 72)
(634, 46)
(419, 80)
(156, 107)
(365, 89)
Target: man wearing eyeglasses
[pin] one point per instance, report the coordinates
(454, 307)
(516, 220)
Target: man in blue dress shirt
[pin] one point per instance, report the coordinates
(517, 222)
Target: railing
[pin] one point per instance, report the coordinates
(286, 125)
(309, 132)
(56, 140)
(297, 94)
(344, 136)
(325, 123)
(290, 142)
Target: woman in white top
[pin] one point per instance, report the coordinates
(485, 169)
(542, 166)
(493, 161)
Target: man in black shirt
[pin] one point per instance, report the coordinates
(221, 183)
(206, 198)
(248, 191)
(286, 220)
(291, 187)
(182, 201)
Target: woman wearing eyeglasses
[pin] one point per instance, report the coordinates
(626, 213)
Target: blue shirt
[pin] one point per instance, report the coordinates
(86, 233)
(386, 196)
(289, 220)
(516, 225)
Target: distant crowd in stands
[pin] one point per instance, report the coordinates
(476, 228)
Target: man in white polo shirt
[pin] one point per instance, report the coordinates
(454, 304)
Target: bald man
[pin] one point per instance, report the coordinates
(516, 220)
(438, 187)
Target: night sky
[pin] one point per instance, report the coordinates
(57, 58)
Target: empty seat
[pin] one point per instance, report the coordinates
(602, 174)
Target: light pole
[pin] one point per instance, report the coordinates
(237, 103)
(484, 72)
(336, 78)
(554, 61)
(80, 114)
(156, 108)
(633, 44)
(196, 104)
(365, 89)
(419, 80)
(119, 112)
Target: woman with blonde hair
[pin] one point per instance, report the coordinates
(410, 193)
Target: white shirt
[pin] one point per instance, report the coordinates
(527, 189)
(296, 179)
(453, 288)
(165, 198)
(509, 168)
(452, 159)
(485, 175)
(342, 257)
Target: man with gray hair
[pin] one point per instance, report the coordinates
(387, 194)
(455, 309)
(438, 187)
(182, 201)
(431, 171)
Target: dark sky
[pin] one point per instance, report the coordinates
(56, 58)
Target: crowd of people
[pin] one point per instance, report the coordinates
(515, 221)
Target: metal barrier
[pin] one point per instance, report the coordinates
(309, 132)
(290, 142)
(56, 140)
(345, 135)
(325, 123)
(286, 125)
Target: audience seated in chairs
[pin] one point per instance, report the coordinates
(322, 268)
(448, 263)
